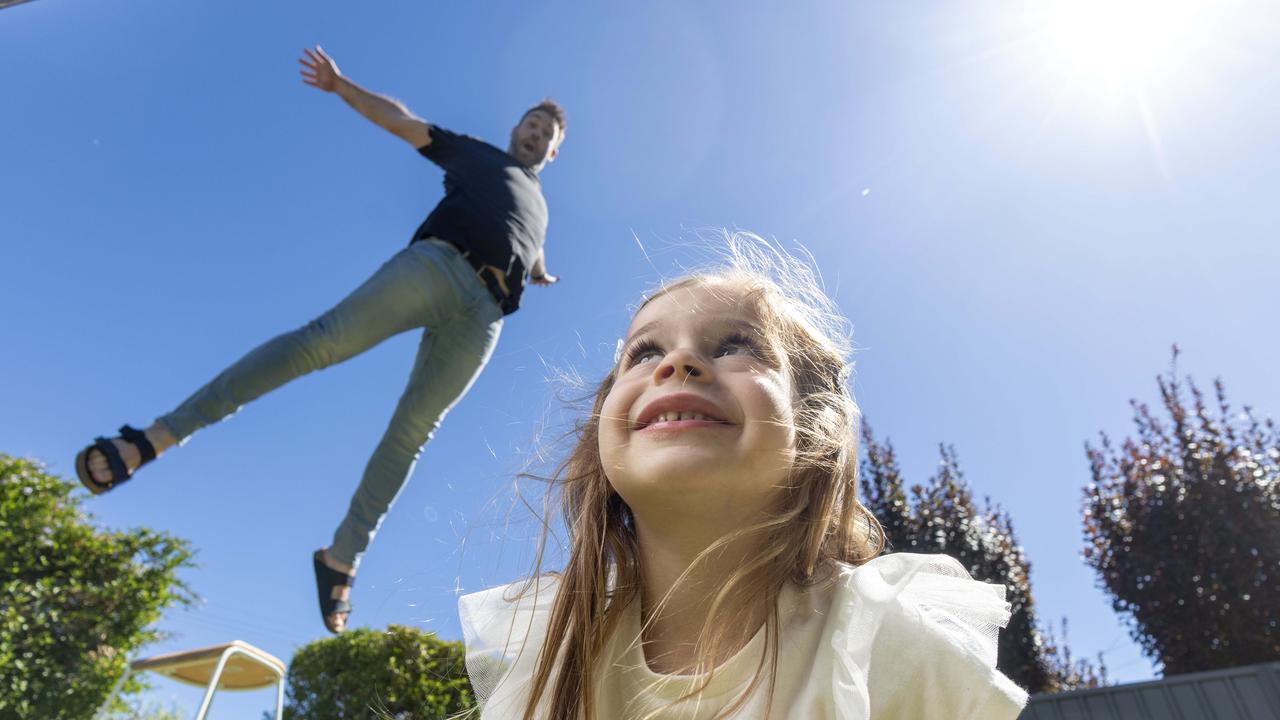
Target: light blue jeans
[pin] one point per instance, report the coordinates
(427, 285)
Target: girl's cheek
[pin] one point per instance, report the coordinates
(780, 395)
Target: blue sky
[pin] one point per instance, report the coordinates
(1019, 222)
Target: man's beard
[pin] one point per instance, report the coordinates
(529, 157)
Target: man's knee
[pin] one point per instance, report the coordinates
(321, 341)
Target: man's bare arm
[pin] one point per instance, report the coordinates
(386, 112)
(320, 71)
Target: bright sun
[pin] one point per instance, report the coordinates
(1122, 40)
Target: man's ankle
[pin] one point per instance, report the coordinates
(336, 564)
(160, 437)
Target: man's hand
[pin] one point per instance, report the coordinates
(538, 274)
(319, 70)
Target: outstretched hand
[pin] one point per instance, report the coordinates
(319, 70)
(547, 279)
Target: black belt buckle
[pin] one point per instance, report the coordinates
(491, 283)
(486, 277)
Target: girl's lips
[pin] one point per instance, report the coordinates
(680, 402)
(668, 427)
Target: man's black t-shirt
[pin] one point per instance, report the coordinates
(492, 207)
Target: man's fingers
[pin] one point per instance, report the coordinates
(317, 59)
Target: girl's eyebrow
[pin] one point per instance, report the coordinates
(742, 326)
(643, 329)
(746, 327)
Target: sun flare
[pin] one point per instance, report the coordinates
(1122, 39)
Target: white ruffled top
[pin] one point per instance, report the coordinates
(902, 637)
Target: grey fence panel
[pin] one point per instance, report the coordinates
(1158, 702)
(1187, 699)
(1244, 693)
(1254, 698)
(1098, 705)
(1073, 710)
(1219, 694)
(1041, 712)
(1128, 703)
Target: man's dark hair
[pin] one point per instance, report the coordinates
(552, 108)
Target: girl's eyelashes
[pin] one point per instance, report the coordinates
(732, 344)
(739, 341)
(640, 350)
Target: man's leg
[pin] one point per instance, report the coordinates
(396, 298)
(448, 362)
(390, 302)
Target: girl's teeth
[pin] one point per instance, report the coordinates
(675, 416)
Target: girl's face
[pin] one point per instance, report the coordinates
(700, 419)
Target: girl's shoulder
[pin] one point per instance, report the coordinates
(918, 634)
(901, 636)
(528, 595)
(503, 631)
(935, 586)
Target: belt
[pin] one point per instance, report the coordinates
(490, 275)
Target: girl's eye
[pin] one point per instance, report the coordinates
(734, 344)
(737, 344)
(643, 351)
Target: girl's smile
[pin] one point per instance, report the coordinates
(680, 411)
(699, 419)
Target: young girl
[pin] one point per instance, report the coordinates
(720, 563)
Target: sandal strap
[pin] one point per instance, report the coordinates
(326, 580)
(119, 472)
(333, 577)
(138, 439)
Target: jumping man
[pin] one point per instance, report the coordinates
(463, 271)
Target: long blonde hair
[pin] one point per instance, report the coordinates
(819, 517)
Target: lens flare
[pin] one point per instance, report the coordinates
(1122, 39)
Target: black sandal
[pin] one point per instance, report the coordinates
(326, 580)
(119, 471)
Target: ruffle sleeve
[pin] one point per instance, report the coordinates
(504, 629)
(915, 637)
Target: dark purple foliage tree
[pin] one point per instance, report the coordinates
(942, 517)
(1182, 524)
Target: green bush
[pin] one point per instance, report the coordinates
(147, 710)
(75, 600)
(401, 673)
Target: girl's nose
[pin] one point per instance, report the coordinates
(683, 365)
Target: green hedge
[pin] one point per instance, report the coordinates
(401, 673)
(76, 600)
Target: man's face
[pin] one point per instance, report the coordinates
(534, 141)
